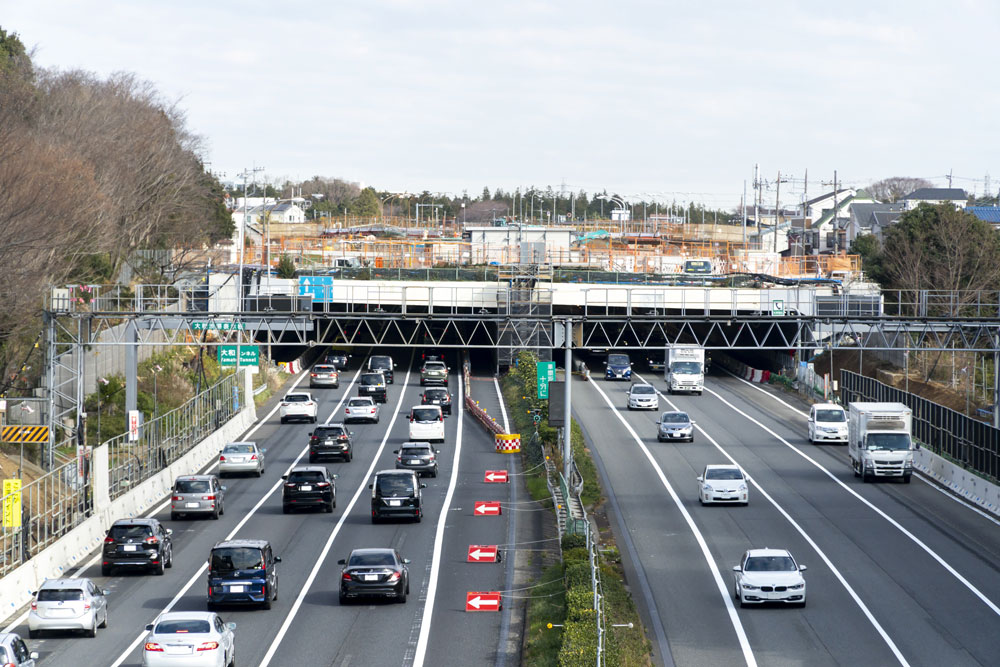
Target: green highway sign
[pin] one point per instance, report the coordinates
(218, 326)
(545, 372)
(777, 307)
(249, 355)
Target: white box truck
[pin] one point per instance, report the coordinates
(685, 368)
(879, 442)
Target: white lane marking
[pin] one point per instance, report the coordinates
(916, 540)
(961, 501)
(121, 658)
(432, 582)
(503, 408)
(850, 590)
(706, 553)
(156, 510)
(321, 559)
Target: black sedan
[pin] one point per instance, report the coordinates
(437, 396)
(308, 486)
(337, 359)
(374, 573)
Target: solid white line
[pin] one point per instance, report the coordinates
(948, 494)
(850, 590)
(706, 553)
(121, 658)
(321, 560)
(432, 580)
(916, 540)
(503, 408)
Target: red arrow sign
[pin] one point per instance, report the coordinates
(482, 553)
(483, 601)
(496, 476)
(487, 508)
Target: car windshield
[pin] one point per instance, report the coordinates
(296, 398)
(437, 393)
(723, 473)
(395, 485)
(192, 486)
(685, 367)
(643, 389)
(369, 559)
(380, 362)
(425, 414)
(237, 558)
(769, 564)
(831, 416)
(183, 626)
(238, 449)
(434, 366)
(674, 418)
(415, 451)
(325, 369)
(372, 379)
(617, 360)
(360, 403)
(124, 532)
(888, 441)
(60, 594)
(330, 432)
(299, 476)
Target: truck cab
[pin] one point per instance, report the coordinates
(879, 441)
(685, 369)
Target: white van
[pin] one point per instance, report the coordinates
(426, 423)
(827, 423)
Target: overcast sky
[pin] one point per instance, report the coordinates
(675, 99)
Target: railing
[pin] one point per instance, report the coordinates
(968, 442)
(165, 439)
(50, 507)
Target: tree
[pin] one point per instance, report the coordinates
(286, 267)
(14, 59)
(366, 205)
(895, 188)
(869, 249)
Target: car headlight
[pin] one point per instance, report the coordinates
(749, 587)
(742, 488)
(796, 587)
(707, 487)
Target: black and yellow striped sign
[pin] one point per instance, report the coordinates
(25, 434)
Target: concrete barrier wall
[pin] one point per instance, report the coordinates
(16, 588)
(960, 481)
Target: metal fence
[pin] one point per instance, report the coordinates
(50, 507)
(966, 441)
(166, 438)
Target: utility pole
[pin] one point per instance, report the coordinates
(777, 207)
(836, 236)
(805, 207)
(743, 207)
(950, 172)
(756, 197)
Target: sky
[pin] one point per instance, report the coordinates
(664, 100)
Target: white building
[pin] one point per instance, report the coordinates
(954, 196)
(502, 245)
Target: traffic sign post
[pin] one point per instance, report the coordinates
(249, 355)
(545, 372)
(12, 503)
(487, 508)
(483, 601)
(483, 553)
(777, 307)
(134, 424)
(495, 477)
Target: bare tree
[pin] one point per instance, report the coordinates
(895, 188)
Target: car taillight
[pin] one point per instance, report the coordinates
(34, 606)
(211, 497)
(394, 577)
(343, 437)
(221, 458)
(346, 576)
(399, 458)
(109, 540)
(207, 646)
(290, 485)
(153, 646)
(285, 405)
(440, 418)
(86, 606)
(151, 540)
(253, 457)
(323, 484)
(312, 375)
(431, 458)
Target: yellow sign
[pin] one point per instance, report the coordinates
(12, 503)
(25, 434)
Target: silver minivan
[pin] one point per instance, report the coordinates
(68, 604)
(197, 494)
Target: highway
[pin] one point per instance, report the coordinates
(307, 625)
(898, 574)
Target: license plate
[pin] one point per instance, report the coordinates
(413, 462)
(190, 504)
(675, 435)
(394, 503)
(179, 650)
(436, 402)
(130, 547)
(305, 488)
(371, 577)
(237, 589)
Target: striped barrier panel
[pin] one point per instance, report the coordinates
(508, 444)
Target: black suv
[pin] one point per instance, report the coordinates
(383, 363)
(396, 493)
(419, 457)
(308, 486)
(331, 440)
(242, 572)
(437, 396)
(337, 360)
(372, 384)
(141, 543)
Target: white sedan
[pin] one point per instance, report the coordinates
(298, 405)
(362, 408)
(723, 483)
(191, 639)
(769, 575)
(643, 397)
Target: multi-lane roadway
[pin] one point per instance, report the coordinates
(898, 574)
(307, 625)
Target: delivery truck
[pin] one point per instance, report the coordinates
(685, 368)
(879, 440)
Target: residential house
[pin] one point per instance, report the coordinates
(933, 196)
(814, 208)
(990, 214)
(834, 230)
(285, 213)
(872, 218)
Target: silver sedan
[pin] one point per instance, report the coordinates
(643, 397)
(191, 639)
(241, 457)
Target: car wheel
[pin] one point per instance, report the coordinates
(434, 473)
(376, 420)
(215, 514)
(285, 509)
(107, 615)
(906, 479)
(92, 632)
(105, 570)
(210, 606)
(158, 568)
(222, 508)
(174, 516)
(343, 598)
(350, 456)
(854, 467)
(33, 634)
(313, 421)
(267, 600)
(170, 561)
(803, 603)
(260, 471)
(283, 420)
(232, 658)
(312, 459)
(329, 508)
(419, 517)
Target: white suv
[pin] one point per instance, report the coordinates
(827, 423)
(298, 405)
(427, 423)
